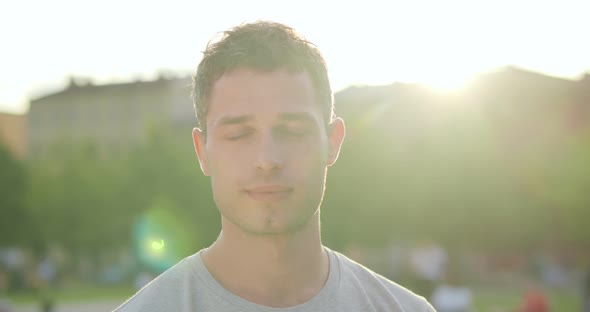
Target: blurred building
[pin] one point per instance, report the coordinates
(514, 99)
(112, 116)
(581, 113)
(115, 116)
(13, 133)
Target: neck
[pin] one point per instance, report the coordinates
(256, 267)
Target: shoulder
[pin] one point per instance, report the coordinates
(157, 294)
(378, 287)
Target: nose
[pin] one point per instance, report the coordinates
(269, 154)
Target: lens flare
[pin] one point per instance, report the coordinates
(163, 236)
(158, 245)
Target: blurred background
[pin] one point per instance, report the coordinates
(464, 176)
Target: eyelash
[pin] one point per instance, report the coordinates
(239, 136)
(283, 131)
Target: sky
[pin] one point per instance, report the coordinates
(441, 43)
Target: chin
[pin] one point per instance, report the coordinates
(276, 226)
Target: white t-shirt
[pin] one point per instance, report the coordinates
(188, 286)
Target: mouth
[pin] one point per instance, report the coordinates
(270, 193)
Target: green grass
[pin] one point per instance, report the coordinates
(75, 293)
(507, 300)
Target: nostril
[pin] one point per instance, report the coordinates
(269, 164)
(269, 155)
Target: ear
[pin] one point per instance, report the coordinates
(199, 142)
(336, 132)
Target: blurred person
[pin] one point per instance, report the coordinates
(428, 262)
(14, 260)
(452, 295)
(47, 272)
(266, 135)
(586, 292)
(5, 305)
(534, 299)
(46, 276)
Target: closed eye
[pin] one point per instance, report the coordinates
(293, 131)
(239, 135)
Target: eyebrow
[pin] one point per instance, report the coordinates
(234, 120)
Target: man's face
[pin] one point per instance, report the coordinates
(267, 150)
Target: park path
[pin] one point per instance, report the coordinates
(95, 306)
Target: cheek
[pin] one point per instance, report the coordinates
(315, 154)
(309, 164)
(223, 168)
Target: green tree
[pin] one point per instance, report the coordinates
(14, 217)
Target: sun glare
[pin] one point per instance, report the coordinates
(447, 82)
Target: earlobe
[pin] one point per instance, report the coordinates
(336, 137)
(199, 143)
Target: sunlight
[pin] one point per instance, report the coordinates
(399, 41)
(447, 81)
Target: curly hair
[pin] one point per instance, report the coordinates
(264, 46)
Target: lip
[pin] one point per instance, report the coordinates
(269, 193)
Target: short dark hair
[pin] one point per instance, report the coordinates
(264, 46)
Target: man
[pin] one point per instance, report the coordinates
(266, 135)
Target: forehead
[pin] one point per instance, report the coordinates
(262, 94)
